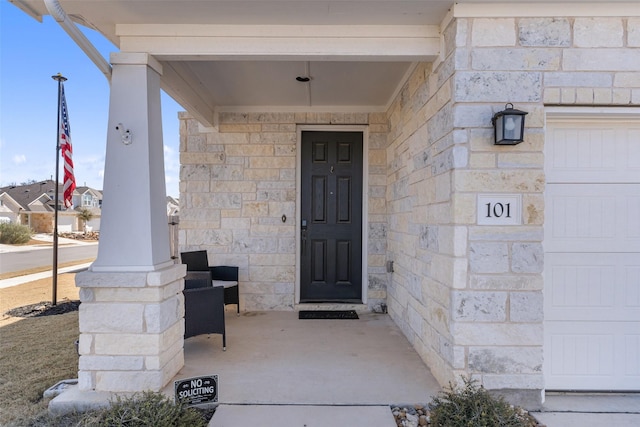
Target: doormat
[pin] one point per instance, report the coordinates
(328, 314)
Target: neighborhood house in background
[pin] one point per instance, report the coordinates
(32, 205)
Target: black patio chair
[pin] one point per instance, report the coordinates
(203, 306)
(222, 275)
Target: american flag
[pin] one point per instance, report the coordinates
(67, 151)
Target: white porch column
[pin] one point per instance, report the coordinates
(131, 316)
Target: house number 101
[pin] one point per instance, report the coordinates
(498, 210)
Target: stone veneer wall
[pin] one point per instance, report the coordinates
(239, 179)
(469, 297)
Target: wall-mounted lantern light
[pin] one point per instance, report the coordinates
(508, 126)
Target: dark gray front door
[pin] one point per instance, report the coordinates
(331, 217)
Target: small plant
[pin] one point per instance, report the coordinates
(146, 409)
(85, 215)
(473, 406)
(14, 234)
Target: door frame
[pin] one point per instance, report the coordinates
(364, 129)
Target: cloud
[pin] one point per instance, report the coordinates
(19, 159)
(171, 171)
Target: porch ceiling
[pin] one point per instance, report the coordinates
(222, 55)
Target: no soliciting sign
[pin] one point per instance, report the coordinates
(193, 391)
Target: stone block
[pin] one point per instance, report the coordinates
(598, 59)
(598, 32)
(220, 201)
(197, 172)
(272, 162)
(630, 80)
(235, 223)
(111, 363)
(119, 295)
(513, 381)
(91, 279)
(159, 317)
(493, 32)
(488, 257)
(415, 320)
(111, 318)
(229, 172)
(506, 283)
(247, 245)
(129, 381)
(506, 360)
(520, 160)
(254, 302)
(520, 181)
(166, 275)
(622, 96)
(243, 128)
(202, 158)
(533, 209)
(85, 344)
(552, 32)
(502, 59)
(505, 233)
(497, 334)
(473, 116)
(527, 258)
(210, 237)
(564, 79)
(464, 208)
(86, 380)
(633, 32)
(602, 96)
(261, 174)
(225, 117)
(584, 95)
(551, 96)
(479, 306)
(232, 187)
(568, 95)
(166, 357)
(504, 86)
(126, 344)
(526, 307)
(271, 273)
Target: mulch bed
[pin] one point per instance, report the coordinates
(44, 308)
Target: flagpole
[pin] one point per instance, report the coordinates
(59, 78)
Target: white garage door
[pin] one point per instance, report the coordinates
(592, 254)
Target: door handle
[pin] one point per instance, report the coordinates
(303, 236)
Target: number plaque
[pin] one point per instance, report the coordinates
(499, 209)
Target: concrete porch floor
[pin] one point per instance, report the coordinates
(273, 358)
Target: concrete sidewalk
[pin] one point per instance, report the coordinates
(299, 416)
(590, 410)
(48, 242)
(18, 280)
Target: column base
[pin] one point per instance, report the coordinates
(131, 329)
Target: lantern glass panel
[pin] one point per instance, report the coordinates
(512, 127)
(499, 128)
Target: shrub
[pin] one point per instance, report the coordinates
(14, 234)
(146, 409)
(474, 406)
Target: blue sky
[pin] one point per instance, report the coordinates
(30, 53)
